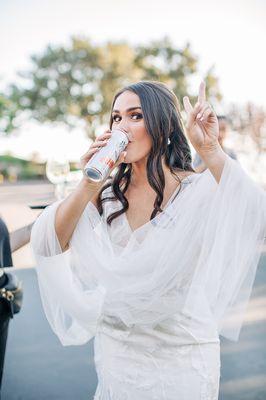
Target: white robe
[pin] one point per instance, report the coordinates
(156, 299)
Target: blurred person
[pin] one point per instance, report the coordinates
(8, 244)
(157, 261)
(198, 164)
(5, 248)
(5, 261)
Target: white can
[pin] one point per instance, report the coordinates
(101, 163)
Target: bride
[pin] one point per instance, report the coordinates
(157, 261)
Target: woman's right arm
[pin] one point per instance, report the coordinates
(71, 209)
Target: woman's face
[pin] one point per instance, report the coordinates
(127, 115)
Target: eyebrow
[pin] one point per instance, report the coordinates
(129, 109)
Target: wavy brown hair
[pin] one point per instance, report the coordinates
(163, 121)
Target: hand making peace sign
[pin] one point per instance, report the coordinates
(202, 123)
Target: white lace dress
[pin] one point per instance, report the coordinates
(156, 299)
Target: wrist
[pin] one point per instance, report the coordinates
(207, 149)
(88, 189)
(214, 159)
(87, 184)
(212, 154)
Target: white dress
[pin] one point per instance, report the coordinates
(156, 299)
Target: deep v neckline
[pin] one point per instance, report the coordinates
(163, 209)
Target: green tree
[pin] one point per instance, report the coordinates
(8, 112)
(77, 83)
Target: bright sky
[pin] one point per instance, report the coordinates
(229, 34)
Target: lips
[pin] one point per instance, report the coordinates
(130, 138)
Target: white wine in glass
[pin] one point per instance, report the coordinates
(57, 170)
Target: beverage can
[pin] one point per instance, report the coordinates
(101, 163)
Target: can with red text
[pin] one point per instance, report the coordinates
(101, 163)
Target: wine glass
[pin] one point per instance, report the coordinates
(57, 170)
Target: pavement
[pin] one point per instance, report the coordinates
(243, 372)
(37, 366)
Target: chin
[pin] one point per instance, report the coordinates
(133, 159)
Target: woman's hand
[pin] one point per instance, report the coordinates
(203, 132)
(99, 142)
(202, 123)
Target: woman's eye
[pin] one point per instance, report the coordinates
(115, 118)
(135, 116)
(138, 115)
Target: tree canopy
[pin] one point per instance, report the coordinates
(8, 112)
(76, 83)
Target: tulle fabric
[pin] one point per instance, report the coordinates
(198, 257)
(72, 305)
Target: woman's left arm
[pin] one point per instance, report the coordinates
(203, 132)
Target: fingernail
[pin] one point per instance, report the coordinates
(199, 116)
(201, 119)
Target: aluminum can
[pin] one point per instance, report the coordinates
(101, 163)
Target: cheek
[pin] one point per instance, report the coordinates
(138, 150)
(140, 135)
(141, 143)
(141, 139)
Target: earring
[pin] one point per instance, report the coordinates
(168, 142)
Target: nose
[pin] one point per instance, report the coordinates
(123, 126)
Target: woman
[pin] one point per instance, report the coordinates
(157, 261)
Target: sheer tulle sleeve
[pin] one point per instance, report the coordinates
(232, 242)
(71, 297)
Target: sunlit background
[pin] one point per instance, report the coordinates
(226, 37)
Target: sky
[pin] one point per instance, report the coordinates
(230, 35)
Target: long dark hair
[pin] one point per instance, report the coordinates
(163, 121)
